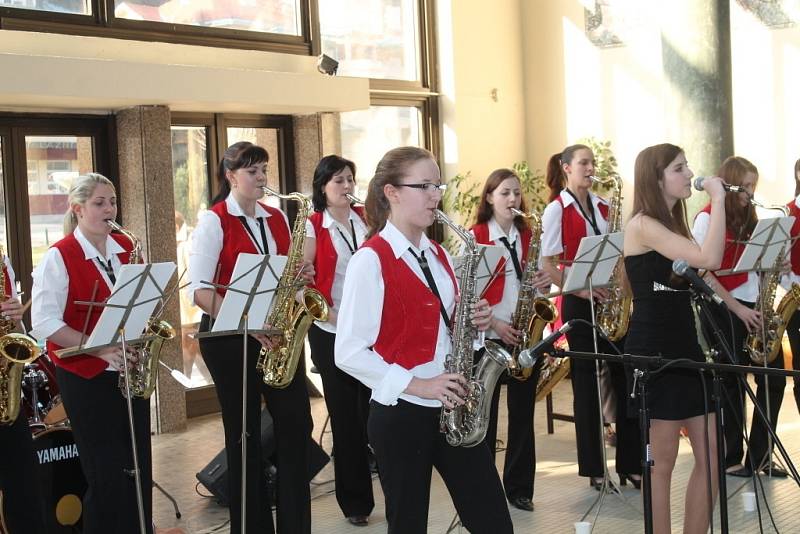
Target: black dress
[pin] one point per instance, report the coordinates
(662, 324)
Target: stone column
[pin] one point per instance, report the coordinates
(315, 136)
(148, 210)
(696, 51)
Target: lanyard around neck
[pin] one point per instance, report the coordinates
(262, 249)
(592, 220)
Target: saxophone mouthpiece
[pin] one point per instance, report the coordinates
(354, 199)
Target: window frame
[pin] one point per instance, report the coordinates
(102, 23)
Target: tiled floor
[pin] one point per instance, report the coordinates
(561, 496)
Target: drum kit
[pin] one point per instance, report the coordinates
(61, 478)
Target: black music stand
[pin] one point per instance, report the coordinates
(762, 254)
(254, 275)
(592, 268)
(139, 287)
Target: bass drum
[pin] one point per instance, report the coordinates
(61, 479)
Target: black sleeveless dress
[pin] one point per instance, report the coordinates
(662, 324)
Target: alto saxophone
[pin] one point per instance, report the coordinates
(614, 313)
(279, 364)
(466, 425)
(16, 350)
(143, 375)
(533, 312)
(774, 321)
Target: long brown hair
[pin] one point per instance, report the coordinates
(556, 179)
(739, 220)
(486, 210)
(796, 178)
(648, 199)
(390, 169)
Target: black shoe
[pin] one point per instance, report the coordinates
(775, 471)
(742, 472)
(596, 483)
(637, 482)
(358, 520)
(522, 503)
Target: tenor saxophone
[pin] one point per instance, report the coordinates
(614, 313)
(466, 425)
(16, 350)
(279, 364)
(143, 375)
(533, 312)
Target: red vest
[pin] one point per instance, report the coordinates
(7, 280)
(236, 240)
(325, 256)
(494, 291)
(410, 316)
(83, 275)
(732, 253)
(573, 228)
(795, 256)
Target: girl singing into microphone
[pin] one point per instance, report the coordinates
(393, 335)
(663, 324)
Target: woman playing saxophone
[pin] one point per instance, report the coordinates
(83, 267)
(236, 223)
(392, 335)
(791, 282)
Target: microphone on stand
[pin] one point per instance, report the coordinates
(529, 356)
(698, 184)
(682, 269)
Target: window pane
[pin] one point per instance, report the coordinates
(372, 38)
(267, 138)
(190, 186)
(367, 135)
(80, 7)
(275, 16)
(3, 233)
(53, 162)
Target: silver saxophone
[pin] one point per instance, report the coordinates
(466, 425)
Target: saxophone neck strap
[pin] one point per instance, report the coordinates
(262, 247)
(426, 271)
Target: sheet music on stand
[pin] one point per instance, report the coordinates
(764, 246)
(596, 257)
(137, 291)
(490, 257)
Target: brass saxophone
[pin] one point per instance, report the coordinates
(143, 375)
(774, 320)
(614, 313)
(466, 425)
(279, 364)
(533, 312)
(16, 350)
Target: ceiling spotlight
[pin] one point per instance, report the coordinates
(327, 65)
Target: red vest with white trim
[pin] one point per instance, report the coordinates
(236, 240)
(794, 211)
(573, 228)
(6, 279)
(494, 291)
(410, 316)
(325, 257)
(733, 251)
(83, 278)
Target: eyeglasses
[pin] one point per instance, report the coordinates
(428, 187)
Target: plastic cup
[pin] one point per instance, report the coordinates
(583, 527)
(749, 501)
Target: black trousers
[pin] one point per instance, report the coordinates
(519, 469)
(98, 414)
(23, 503)
(793, 331)
(588, 424)
(407, 445)
(733, 398)
(347, 401)
(291, 416)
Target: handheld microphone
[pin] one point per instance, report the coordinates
(682, 269)
(698, 184)
(529, 356)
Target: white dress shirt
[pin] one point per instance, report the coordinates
(360, 320)
(552, 243)
(343, 247)
(206, 243)
(51, 284)
(505, 308)
(11, 277)
(747, 292)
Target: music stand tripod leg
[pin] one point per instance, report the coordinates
(137, 476)
(244, 427)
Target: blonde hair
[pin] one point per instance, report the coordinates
(82, 190)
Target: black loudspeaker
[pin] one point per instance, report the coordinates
(214, 476)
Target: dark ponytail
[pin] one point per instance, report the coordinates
(797, 177)
(237, 156)
(556, 179)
